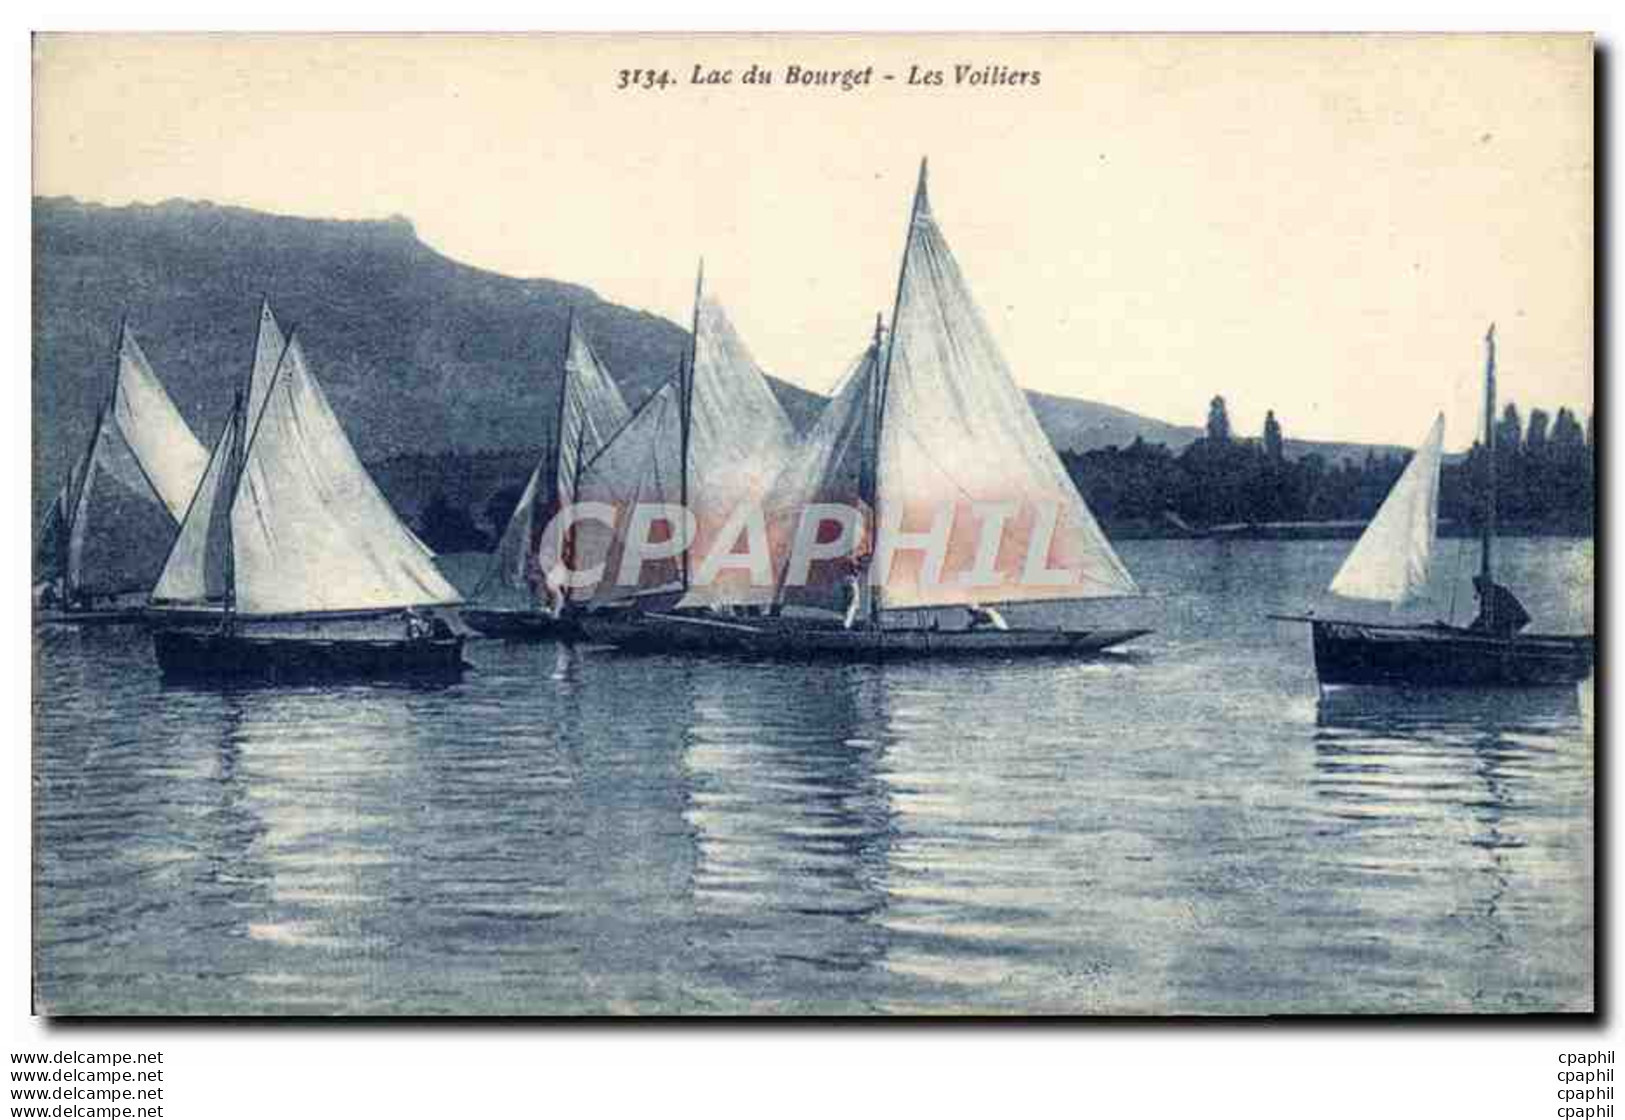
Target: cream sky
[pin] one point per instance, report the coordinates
(1323, 226)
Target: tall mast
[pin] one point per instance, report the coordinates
(70, 578)
(1485, 567)
(239, 446)
(246, 434)
(238, 453)
(118, 353)
(558, 421)
(558, 456)
(685, 402)
(921, 205)
(103, 414)
(567, 555)
(869, 478)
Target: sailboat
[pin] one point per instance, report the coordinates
(109, 528)
(708, 442)
(928, 439)
(290, 562)
(1391, 563)
(519, 596)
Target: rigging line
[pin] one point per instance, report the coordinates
(79, 475)
(140, 466)
(265, 406)
(81, 503)
(112, 408)
(643, 406)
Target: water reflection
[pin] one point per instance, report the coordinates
(570, 830)
(1451, 794)
(792, 820)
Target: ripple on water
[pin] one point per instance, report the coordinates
(571, 830)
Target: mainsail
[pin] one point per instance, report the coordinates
(712, 439)
(165, 448)
(268, 346)
(198, 569)
(831, 466)
(589, 410)
(286, 519)
(117, 516)
(641, 464)
(51, 546)
(310, 529)
(958, 438)
(738, 441)
(1392, 559)
(120, 528)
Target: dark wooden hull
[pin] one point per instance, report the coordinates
(190, 655)
(792, 639)
(115, 616)
(1353, 653)
(522, 625)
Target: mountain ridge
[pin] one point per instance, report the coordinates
(420, 354)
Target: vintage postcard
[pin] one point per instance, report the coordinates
(825, 525)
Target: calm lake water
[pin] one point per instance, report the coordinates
(1186, 829)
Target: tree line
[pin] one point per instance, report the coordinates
(1545, 478)
(1545, 483)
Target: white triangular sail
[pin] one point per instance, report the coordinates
(51, 542)
(641, 464)
(310, 529)
(1394, 555)
(268, 346)
(590, 412)
(738, 441)
(512, 568)
(831, 465)
(169, 454)
(958, 436)
(55, 534)
(127, 494)
(197, 568)
(119, 529)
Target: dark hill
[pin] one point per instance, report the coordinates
(421, 356)
(418, 352)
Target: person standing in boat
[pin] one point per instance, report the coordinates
(417, 626)
(981, 616)
(1499, 612)
(546, 585)
(553, 593)
(857, 569)
(854, 594)
(857, 565)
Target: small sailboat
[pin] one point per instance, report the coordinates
(932, 449)
(1392, 562)
(107, 532)
(520, 595)
(708, 443)
(290, 562)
